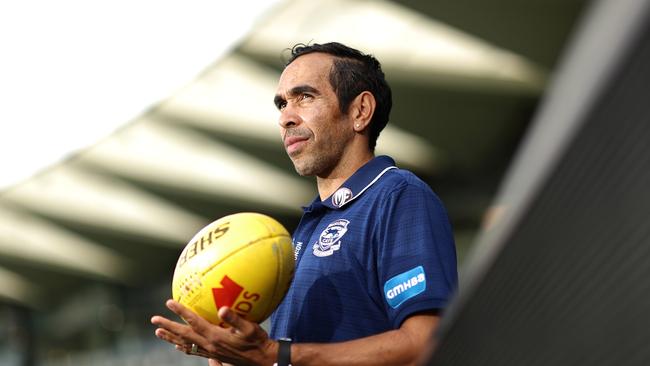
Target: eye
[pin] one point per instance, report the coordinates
(304, 96)
(281, 105)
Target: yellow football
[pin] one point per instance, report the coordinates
(244, 261)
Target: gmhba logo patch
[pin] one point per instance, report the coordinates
(404, 286)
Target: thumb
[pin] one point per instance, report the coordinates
(214, 362)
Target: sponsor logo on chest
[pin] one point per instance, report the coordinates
(330, 239)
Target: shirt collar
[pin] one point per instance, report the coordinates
(359, 182)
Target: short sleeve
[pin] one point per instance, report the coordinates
(416, 255)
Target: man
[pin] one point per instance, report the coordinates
(375, 258)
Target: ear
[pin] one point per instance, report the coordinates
(362, 110)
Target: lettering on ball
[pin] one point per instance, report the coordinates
(202, 243)
(245, 306)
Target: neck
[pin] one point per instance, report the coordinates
(340, 173)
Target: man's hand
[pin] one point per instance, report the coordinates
(243, 343)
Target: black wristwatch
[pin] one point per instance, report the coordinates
(284, 352)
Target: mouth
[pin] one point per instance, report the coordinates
(293, 143)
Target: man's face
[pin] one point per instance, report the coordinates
(314, 131)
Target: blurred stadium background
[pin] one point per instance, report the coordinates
(89, 234)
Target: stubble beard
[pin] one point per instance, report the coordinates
(319, 162)
(310, 165)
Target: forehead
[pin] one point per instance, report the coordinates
(311, 69)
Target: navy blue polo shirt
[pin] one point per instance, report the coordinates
(378, 250)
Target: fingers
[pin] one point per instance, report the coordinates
(181, 344)
(239, 326)
(188, 349)
(243, 341)
(197, 323)
(176, 333)
(167, 336)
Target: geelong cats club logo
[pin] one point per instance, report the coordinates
(341, 197)
(330, 238)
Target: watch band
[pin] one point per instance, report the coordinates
(284, 352)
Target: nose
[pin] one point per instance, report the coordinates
(288, 117)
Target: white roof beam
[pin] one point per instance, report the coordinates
(176, 157)
(75, 195)
(409, 44)
(18, 289)
(33, 240)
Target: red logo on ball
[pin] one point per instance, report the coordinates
(227, 294)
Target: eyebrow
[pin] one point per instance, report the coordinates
(296, 90)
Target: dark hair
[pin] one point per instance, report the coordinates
(353, 73)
